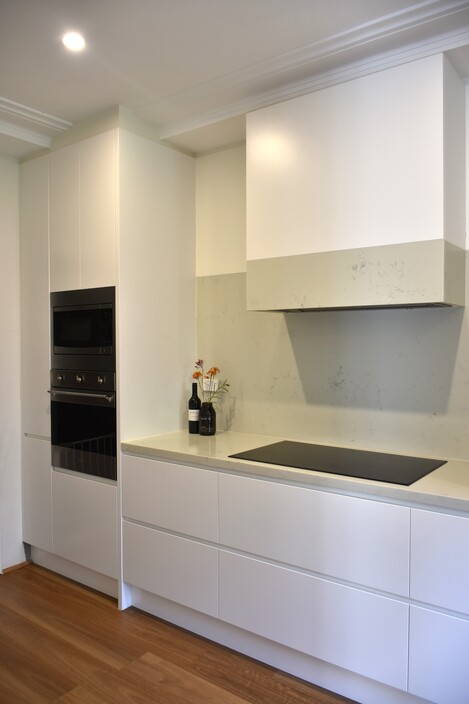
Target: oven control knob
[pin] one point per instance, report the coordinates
(59, 377)
(78, 379)
(100, 380)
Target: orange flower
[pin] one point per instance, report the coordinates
(211, 389)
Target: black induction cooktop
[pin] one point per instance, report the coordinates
(364, 464)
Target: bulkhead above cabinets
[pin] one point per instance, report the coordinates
(356, 194)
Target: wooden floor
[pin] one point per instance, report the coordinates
(61, 642)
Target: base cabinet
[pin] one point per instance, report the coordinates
(439, 642)
(344, 626)
(438, 656)
(316, 573)
(85, 522)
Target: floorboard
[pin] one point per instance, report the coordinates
(63, 643)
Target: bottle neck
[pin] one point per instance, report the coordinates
(194, 388)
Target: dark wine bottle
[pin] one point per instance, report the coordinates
(194, 409)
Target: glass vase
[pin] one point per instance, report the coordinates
(207, 419)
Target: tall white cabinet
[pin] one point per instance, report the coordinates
(35, 353)
(112, 209)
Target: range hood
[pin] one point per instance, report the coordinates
(415, 274)
(356, 194)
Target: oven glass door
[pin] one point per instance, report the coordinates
(83, 432)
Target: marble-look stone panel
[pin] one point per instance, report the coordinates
(406, 274)
(395, 380)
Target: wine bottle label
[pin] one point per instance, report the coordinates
(194, 414)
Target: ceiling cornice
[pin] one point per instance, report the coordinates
(25, 135)
(35, 117)
(305, 59)
(44, 126)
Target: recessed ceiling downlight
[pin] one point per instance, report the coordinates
(74, 41)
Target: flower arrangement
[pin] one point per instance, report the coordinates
(210, 387)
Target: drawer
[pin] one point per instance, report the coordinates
(361, 541)
(170, 496)
(175, 568)
(439, 567)
(438, 657)
(356, 630)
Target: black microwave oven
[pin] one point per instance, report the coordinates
(83, 329)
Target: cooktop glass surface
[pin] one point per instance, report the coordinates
(363, 464)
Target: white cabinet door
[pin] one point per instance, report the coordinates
(84, 515)
(64, 219)
(36, 493)
(439, 569)
(356, 630)
(175, 568)
(34, 281)
(175, 497)
(361, 541)
(83, 213)
(438, 657)
(98, 191)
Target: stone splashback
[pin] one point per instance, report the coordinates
(396, 380)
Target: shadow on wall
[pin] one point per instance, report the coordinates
(396, 378)
(395, 359)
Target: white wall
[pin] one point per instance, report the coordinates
(221, 212)
(11, 547)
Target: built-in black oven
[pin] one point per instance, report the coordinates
(83, 382)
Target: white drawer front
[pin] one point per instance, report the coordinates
(178, 498)
(175, 568)
(357, 540)
(358, 631)
(439, 569)
(438, 657)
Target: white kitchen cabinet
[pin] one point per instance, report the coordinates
(438, 656)
(439, 560)
(65, 218)
(178, 498)
(34, 295)
(98, 200)
(36, 492)
(83, 198)
(356, 630)
(170, 566)
(439, 578)
(361, 541)
(84, 515)
(35, 353)
(355, 193)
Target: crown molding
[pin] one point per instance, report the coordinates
(35, 117)
(24, 135)
(306, 59)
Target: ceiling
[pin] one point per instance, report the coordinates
(193, 68)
